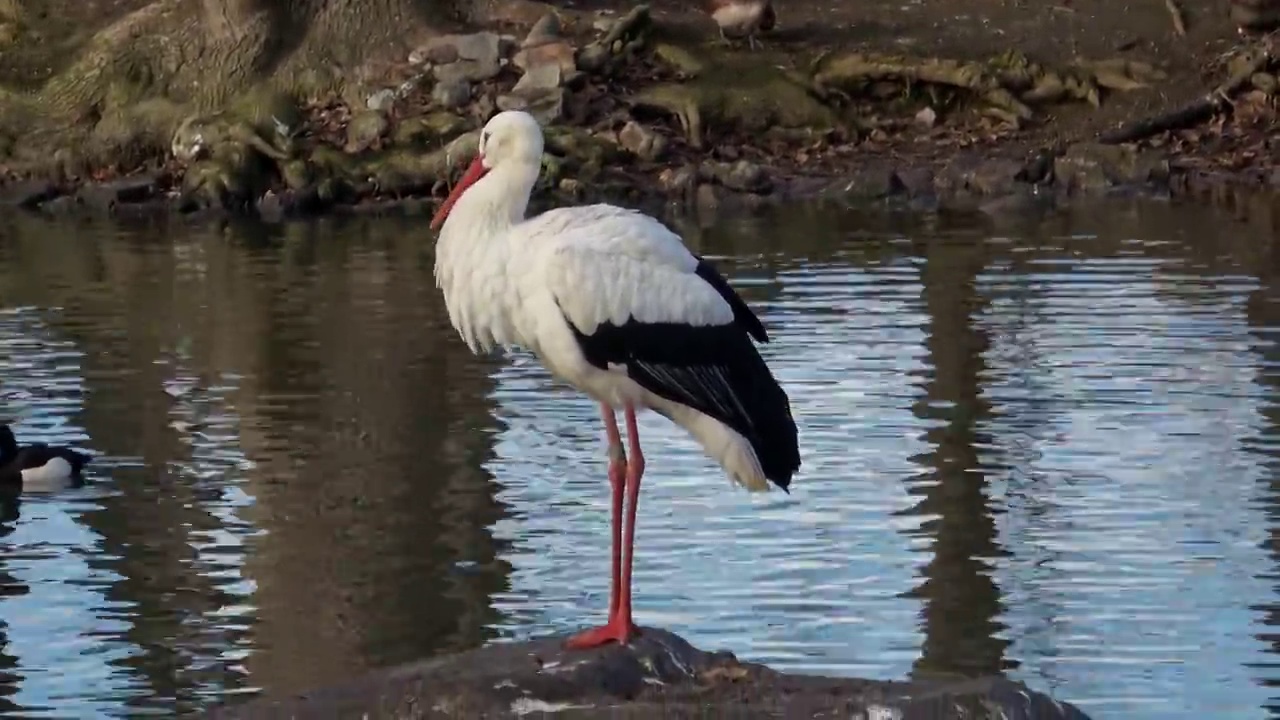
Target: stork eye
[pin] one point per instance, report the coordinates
(484, 137)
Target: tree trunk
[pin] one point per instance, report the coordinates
(301, 35)
(136, 79)
(225, 19)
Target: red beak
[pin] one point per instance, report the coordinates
(474, 172)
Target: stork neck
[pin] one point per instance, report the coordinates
(497, 201)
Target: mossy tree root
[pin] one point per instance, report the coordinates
(133, 82)
(1007, 85)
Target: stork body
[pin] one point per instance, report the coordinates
(612, 302)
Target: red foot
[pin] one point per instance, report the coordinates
(616, 631)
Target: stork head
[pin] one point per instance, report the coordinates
(511, 139)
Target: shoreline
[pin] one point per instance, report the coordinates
(639, 108)
(991, 185)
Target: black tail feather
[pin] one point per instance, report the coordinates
(715, 370)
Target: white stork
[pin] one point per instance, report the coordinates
(613, 303)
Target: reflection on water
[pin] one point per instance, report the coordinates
(1045, 447)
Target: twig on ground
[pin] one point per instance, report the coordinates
(1219, 98)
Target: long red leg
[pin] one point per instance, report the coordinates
(617, 480)
(619, 627)
(635, 471)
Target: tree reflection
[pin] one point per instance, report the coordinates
(1263, 313)
(10, 586)
(961, 599)
(320, 353)
(381, 429)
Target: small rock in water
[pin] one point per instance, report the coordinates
(927, 117)
(996, 176)
(104, 196)
(271, 207)
(451, 95)
(915, 181)
(868, 182)
(742, 176)
(1089, 166)
(28, 193)
(60, 205)
(640, 140)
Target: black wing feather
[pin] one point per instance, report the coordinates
(742, 314)
(713, 369)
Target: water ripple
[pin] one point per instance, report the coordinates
(1049, 453)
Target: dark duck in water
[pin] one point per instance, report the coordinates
(37, 466)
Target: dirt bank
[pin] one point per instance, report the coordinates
(658, 676)
(309, 105)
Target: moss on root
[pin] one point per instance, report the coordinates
(1006, 86)
(134, 81)
(750, 92)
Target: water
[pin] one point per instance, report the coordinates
(1044, 446)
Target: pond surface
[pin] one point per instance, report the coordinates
(1043, 446)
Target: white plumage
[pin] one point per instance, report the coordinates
(588, 264)
(598, 262)
(617, 265)
(53, 475)
(611, 301)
